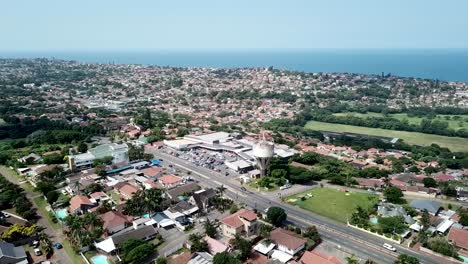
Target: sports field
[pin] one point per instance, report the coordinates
(332, 203)
(453, 143)
(455, 122)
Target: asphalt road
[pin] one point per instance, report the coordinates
(60, 255)
(365, 246)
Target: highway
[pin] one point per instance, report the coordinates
(365, 246)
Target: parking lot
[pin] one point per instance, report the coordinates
(205, 158)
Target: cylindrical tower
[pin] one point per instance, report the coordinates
(263, 152)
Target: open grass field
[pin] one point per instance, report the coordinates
(453, 143)
(460, 121)
(332, 203)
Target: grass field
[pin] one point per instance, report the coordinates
(453, 143)
(453, 124)
(332, 203)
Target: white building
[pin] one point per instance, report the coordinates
(118, 152)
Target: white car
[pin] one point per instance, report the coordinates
(389, 247)
(37, 252)
(286, 186)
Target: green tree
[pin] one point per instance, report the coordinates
(161, 260)
(393, 194)
(225, 258)
(425, 220)
(442, 246)
(352, 259)
(82, 147)
(244, 246)
(210, 229)
(135, 251)
(312, 234)
(463, 217)
(276, 215)
(198, 243)
(265, 230)
(429, 182)
(405, 259)
(394, 224)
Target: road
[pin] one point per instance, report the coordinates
(60, 255)
(366, 246)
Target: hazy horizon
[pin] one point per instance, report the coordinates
(209, 24)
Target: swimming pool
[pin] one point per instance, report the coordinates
(61, 214)
(99, 259)
(374, 220)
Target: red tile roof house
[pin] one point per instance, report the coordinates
(114, 221)
(99, 196)
(127, 191)
(169, 181)
(215, 246)
(242, 222)
(311, 257)
(80, 204)
(152, 172)
(443, 177)
(287, 241)
(458, 237)
(370, 183)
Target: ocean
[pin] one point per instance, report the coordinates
(449, 65)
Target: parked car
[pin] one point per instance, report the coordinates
(58, 245)
(243, 189)
(6, 215)
(37, 252)
(389, 247)
(286, 186)
(35, 244)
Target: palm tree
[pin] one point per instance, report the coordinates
(221, 190)
(46, 244)
(77, 186)
(386, 181)
(352, 259)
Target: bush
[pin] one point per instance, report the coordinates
(52, 217)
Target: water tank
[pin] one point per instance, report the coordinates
(263, 149)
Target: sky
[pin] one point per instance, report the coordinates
(75, 25)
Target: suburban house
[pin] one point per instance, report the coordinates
(9, 254)
(127, 190)
(203, 198)
(215, 246)
(201, 258)
(152, 172)
(370, 183)
(80, 204)
(243, 221)
(31, 158)
(458, 237)
(311, 257)
(182, 190)
(432, 207)
(114, 221)
(287, 241)
(99, 196)
(170, 181)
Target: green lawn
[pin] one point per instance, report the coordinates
(41, 203)
(332, 203)
(453, 143)
(453, 124)
(254, 186)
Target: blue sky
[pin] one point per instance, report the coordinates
(238, 24)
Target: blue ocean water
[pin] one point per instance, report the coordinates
(451, 65)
